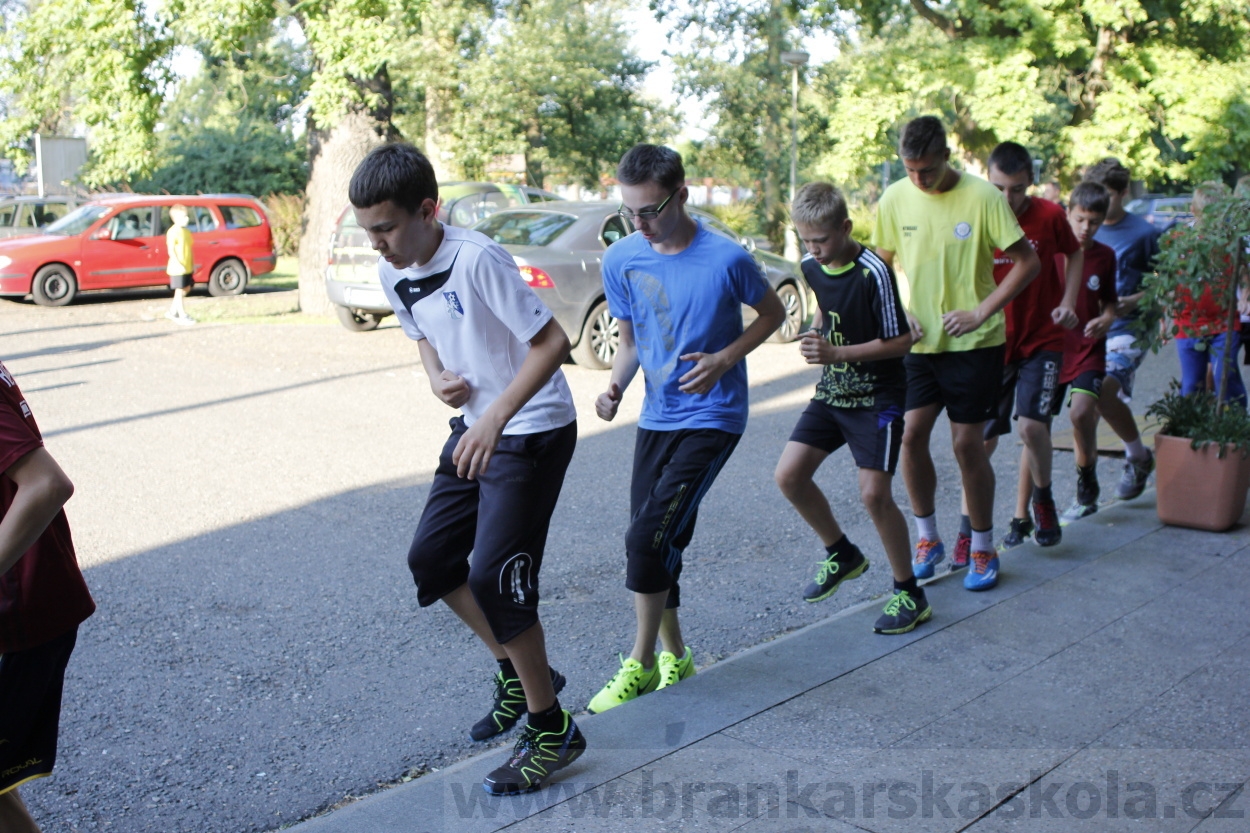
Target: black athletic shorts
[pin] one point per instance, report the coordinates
(672, 472)
(31, 682)
(1089, 382)
(1030, 385)
(501, 518)
(181, 281)
(966, 382)
(874, 434)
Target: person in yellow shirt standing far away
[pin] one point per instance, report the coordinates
(181, 265)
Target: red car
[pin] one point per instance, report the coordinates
(120, 242)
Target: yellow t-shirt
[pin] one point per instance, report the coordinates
(945, 244)
(178, 244)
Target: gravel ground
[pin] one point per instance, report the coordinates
(246, 492)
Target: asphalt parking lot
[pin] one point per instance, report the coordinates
(246, 493)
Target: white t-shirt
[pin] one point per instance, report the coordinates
(470, 303)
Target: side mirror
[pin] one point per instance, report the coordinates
(103, 234)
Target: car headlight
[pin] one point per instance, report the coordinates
(5, 261)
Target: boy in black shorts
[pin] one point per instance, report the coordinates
(491, 349)
(861, 336)
(43, 600)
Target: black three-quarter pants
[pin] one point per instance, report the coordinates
(672, 472)
(501, 517)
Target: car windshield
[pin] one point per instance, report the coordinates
(525, 228)
(77, 221)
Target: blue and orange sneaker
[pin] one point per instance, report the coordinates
(928, 555)
(984, 572)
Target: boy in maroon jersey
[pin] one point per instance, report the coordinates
(1085, 348)
(43, 599)
(1036, 321)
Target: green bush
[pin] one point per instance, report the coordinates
(863, 219)
(286, 218)
(739, 216)
(1195, 417)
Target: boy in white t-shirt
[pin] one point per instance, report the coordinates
(492, 350)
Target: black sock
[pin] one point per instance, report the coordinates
(965, 525)
(507, 668)
(909, 585)
(1041, 494)
(842, 546)
(550, 720)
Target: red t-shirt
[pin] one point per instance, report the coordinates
(43, 595)
(1097, 287)
(1029, 325)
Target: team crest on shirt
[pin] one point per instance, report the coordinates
(963, 231)
(453, 306)
(1093, 283)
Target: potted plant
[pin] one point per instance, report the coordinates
(1202, 450)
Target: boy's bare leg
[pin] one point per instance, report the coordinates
(649, 610)
(1036, 461)
(794, 473)
(974, 466)
(1084, 415)
(991, 445)
(14, 818)
(528, 653)
(876, 490)
(1115, 412)
(1024, 486)
(461, 601)
(670, 633)
(919, 475)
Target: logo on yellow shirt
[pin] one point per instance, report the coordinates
(963, 231)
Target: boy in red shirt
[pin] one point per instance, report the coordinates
(1036, 321)
(43, 599)
(1085, 347)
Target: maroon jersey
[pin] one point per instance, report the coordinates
(1097, 287)
(43, 595)
(1029, 325)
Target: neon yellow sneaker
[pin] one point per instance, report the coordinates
(674, 670)
(628, 683)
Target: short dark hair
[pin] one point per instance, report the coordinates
(397, 172)
(1111, 173)
(922, 137)
(1090, 196)
(818, 204)
(1011, 158)
(652, 163)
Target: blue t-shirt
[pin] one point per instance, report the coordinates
(1136, 242)
(690, 302)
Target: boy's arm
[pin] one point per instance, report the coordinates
(1065, 314)
(917, 332)
(624, 368)
(447, 386)
(42, 489)
(709, 367)
(1098, 327)
(1024, 268)
(817, 350)
(548, 349)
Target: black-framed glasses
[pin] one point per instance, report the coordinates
(645, 215)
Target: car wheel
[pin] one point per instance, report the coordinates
(796, 313)
(228, 278)
(357, 320)
(601, 338)
(54, 285)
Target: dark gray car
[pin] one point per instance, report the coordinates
(27, 215)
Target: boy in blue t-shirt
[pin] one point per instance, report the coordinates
(677, 290)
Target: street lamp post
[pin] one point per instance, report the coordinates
(794, 60)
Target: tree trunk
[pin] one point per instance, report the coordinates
(334, 156)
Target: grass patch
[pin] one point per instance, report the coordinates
(284, 276)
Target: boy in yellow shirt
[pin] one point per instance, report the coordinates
(181, 265)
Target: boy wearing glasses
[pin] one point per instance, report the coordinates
(677, 290)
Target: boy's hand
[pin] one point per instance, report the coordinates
(960, 322)
(816, 350)
(917, 332)
(1065, 317)
(607, 402)
(1097, 327)
(473, 452)
(701, 378)
(451, 389)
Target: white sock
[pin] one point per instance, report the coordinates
(983, 540)
(1136, 451)
(926, 527)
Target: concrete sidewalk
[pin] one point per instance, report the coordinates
(1103, 685)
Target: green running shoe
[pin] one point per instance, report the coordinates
(536, 756)
(674, 670)
(509, 705)
(832, 572)
(903, 612)
(630, 682)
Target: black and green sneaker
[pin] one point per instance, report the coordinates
(833, 571)
(1021, 530)
(509, 706)
(903, 612)
(536, 756)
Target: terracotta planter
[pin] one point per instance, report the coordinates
(1197, 489)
